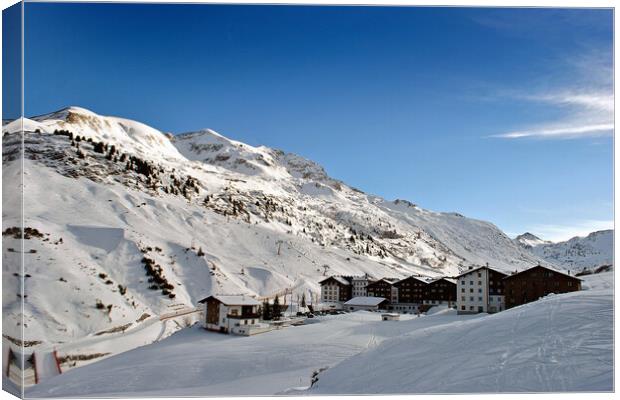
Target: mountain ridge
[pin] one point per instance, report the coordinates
(582, 252)
(137, 223)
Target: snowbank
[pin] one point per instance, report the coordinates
(558, 344)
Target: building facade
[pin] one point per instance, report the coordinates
(383, 288)
(359, 285)
(480, 290)
(336, 289)
(536, 282)
(441, 291)
(411, 290)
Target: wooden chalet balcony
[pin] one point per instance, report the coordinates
(243, 316)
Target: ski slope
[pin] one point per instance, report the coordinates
(559, 343)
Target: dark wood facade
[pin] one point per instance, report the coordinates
(496, 283)
(441, 290)
(345, 290)
(213, 310)
(411, 290)
(380, 288)
(536, 282)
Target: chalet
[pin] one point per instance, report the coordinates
(410, 293)
(480, 290)
(384, 288)
(536, 282)
(232, 314)
(440, 291)
(336, 289)
(366, 303)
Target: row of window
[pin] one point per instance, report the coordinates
(245, 321)
(472, 308)
(491, 299)
(556, 284)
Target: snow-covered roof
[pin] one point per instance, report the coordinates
(418, 278)
(451, 280)
(469, 271)
(236, 300)
(365, 301)
(547, 268)
(339, 279)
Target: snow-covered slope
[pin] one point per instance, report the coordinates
(126, 221)
(560, 343)
(588, 252)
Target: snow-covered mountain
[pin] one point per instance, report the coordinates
(529, 240)
(126, 223)
(588, 252)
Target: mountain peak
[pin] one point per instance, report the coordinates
(529, 240)
(528, 236)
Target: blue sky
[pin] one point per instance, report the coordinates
(499, 114)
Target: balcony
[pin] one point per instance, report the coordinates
(243, 316)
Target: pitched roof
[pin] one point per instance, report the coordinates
(547, 268)
(338, 279)
(418, 278)
(365, 301)
(443, 278)
(478, 268)
(236, 300)
(389, 281)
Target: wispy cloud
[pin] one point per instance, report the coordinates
(563, 132)
(557, 233)
(587, 103)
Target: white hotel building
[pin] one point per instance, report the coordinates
(480, 290)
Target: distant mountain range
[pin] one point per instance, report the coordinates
(577, 253)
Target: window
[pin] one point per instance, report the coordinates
(471, 308)
(479, 275)
(462, 282)
(569, 283)
(479, 290)
(233, 311)
(471, 298)
(480, 309)
(471, 290)
(479, 298)
(463, 308)
(462, 298)
(491, 283)
(462, 290)
(471, 282)
(479, 283)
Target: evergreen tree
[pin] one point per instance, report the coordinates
(276, 313)
(98, 147)
(266, 310)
